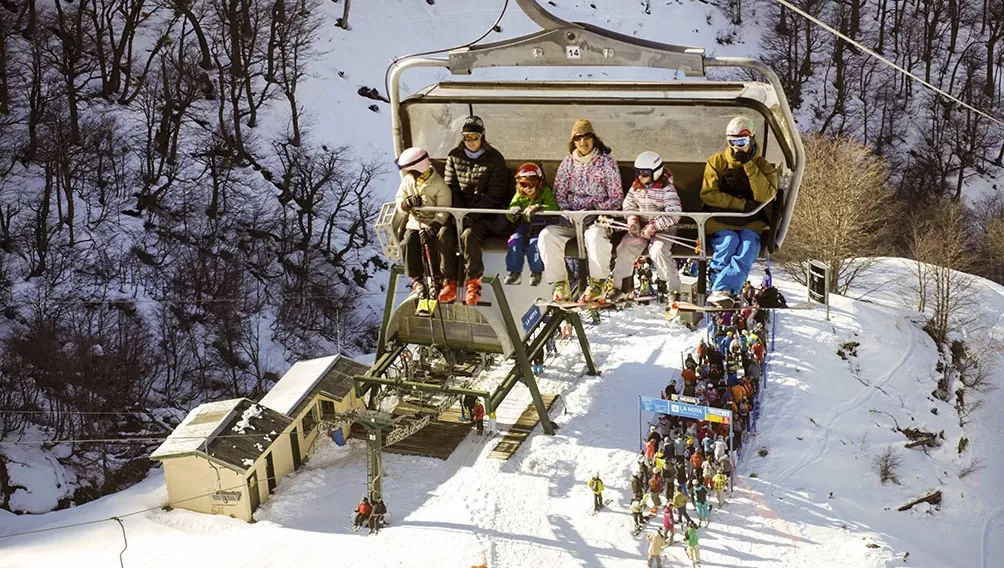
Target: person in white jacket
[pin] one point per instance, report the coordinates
(422, 186)
(652, 191)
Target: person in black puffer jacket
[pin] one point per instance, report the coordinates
(478, 178)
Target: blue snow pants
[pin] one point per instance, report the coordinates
(523, 244)
(733, 255)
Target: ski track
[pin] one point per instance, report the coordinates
(821, 443)
(988, 525)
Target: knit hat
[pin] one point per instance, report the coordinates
(474, 124)
(582, 126)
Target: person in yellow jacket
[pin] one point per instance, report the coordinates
(680, 504)
(721, 482)
(737, 179)
(596, 485)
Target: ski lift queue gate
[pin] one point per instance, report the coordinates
(684, 409)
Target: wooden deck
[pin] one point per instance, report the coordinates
(520, 431)
(437, 440)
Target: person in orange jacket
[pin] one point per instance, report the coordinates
(363, 511)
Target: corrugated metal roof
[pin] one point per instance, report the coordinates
(247, 434)
(200, 425)
(298, 382)
(235, 432)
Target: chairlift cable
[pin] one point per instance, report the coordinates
(386, 75)
(892, 64)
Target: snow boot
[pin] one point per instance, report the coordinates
(418, 287)
(513, 278)
(594, 292)
(535, 278)
(448, 293)
(473, 295)
(561, 293)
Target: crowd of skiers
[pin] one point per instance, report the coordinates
(737, 179)
(688, 461)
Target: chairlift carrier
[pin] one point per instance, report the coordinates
(528, 120)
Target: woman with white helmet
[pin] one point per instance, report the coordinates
(737, 179)
(422, 186)
(652, 191)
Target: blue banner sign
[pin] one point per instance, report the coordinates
(685, 410)
(649, 404)
(530, 317)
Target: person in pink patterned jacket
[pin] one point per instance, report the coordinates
(587, 179)
(652, 190)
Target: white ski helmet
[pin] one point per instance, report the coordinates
(649, 161)
(415, 159)
(740, 126)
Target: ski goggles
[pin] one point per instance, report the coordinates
(643, 172)
(527, 182)
(471, 136)
(739, 141)
(583, 136)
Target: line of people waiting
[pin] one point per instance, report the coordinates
(686, 460)
(737, 179)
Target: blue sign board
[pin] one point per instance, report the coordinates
(531, 317)
(685, 409)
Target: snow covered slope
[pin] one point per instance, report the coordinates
(815, 499)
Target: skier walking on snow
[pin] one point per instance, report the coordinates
(701, 501)
(693, 548)
(636, 507)
(656, 542)
(667, 522)
(721, 484)
(596, 485)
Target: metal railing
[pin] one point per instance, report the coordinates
(391, 245)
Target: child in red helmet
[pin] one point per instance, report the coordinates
(532, 196)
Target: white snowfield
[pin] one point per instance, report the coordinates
(815, 500)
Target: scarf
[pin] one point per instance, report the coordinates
(474, 155)
(584, 159)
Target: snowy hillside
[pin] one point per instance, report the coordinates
(814, 499)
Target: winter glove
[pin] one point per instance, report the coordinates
(431, 231)
(532, 210)
(742, 156)
(604, 221)
(411, 202)
(750, 205)
(648, 232)
(514, 211)
(634, 229)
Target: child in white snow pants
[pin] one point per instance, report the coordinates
(660, 251)
(552, 241)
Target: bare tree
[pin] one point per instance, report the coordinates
(845, 211)
(294, 32)
(941, 248)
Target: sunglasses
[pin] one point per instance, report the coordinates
(643, 173)
(525, 183)
(739, 141)
(471, 136)
(585, 136)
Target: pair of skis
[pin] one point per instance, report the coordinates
(602, 304)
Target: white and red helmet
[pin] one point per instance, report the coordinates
(530, 170)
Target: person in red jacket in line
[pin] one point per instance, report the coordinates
(478, 414)
(362, 513)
